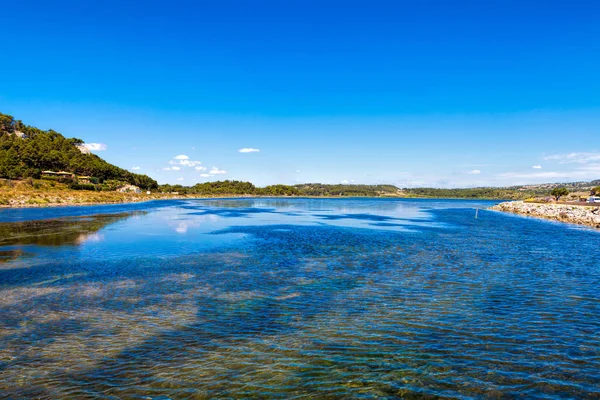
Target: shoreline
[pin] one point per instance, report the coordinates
(587, 215)
(28, 201)
(129, 199)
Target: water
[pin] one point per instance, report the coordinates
(296, 298)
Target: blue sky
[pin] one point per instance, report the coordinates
(413, 93)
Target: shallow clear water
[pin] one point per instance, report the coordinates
(296, 298)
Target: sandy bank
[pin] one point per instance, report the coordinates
(574, 214)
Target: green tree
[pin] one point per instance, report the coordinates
(559, 192)
(596, 191)
(49, 150)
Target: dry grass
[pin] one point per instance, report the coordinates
(40, 193)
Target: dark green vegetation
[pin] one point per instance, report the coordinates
(559, 192)
(237, 188)
(470, 193)
(319, 189)
(312, 189)
(231, 188)
(26, 151)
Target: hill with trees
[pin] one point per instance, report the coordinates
(234, 188)
(470, 193)
(319, 189)
(26, 151)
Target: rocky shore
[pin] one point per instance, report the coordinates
(574, 214)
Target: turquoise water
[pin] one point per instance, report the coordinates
(296, 298)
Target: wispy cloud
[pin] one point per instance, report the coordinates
(590, 167)
(536, 175)
(216, 171)
(205, 175)
(568, 158)
(180, 179)
(189, 163)
(173, 168)
(248, 150)
(200, 168)
(181, 157)
(536, 167)
(95, 146)
(135, 168)
(474, 172)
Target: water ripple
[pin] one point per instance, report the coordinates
(295, 308)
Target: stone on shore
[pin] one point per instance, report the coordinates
(574, 214)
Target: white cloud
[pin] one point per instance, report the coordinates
(95, 146)
(205, 175)
(173, 168)
(248, 150)
(345, 181)
(135, 168)
(537, 167)
(184, 160)
(590, 167)
(200, 168)
(217, 171)
(535, 175)
(474, 172)
(189, 163)
(580, 158)
(180, 179)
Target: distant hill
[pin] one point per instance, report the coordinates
(26, 151)
(236, 188)
(320, 189)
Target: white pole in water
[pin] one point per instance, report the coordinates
(476, 212)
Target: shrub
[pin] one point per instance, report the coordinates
(82, 186)
(559, 192)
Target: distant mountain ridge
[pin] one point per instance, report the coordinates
(26, 151)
